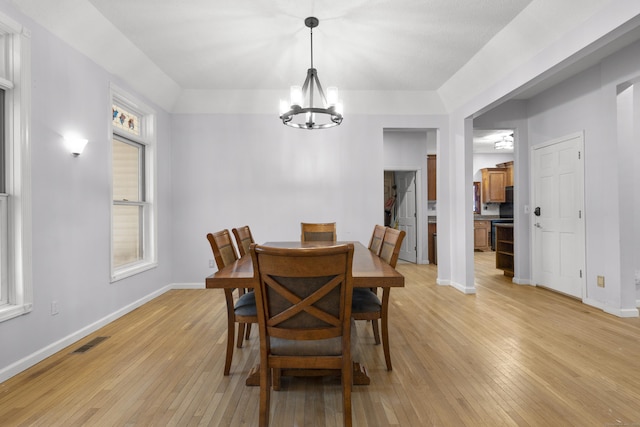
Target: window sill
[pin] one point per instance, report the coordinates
(131, 270)
(10, 311)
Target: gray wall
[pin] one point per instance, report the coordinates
(71, 206)
(232, 170)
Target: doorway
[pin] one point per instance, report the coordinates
(406, 214)
(493, 184)
(401, 210)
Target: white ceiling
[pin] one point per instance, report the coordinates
(430, 53)
(359, 44)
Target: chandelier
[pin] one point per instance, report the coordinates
(294, 113)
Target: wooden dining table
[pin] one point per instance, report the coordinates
(368, 271)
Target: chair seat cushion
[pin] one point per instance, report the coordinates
(365, 301)
(326, 347)
(246, 305)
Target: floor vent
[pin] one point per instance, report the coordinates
(88, 346)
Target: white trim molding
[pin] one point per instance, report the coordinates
(16, 67)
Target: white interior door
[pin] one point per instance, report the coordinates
(407, 217)
(558, 217)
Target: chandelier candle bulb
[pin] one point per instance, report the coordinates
(296, 95)
(284, 106)
(332, 96)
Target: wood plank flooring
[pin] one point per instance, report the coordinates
(508, 356)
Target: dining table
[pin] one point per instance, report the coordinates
(368, 271)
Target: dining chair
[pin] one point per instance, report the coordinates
(241, 311)
(244, 239)
(304, 315)
(375, 244)
(313, 232)
(366, 304)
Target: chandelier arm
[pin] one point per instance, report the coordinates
(313, 78)
(320, 91)
(305, 86)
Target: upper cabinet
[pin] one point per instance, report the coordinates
(431, 177)
(509, 167)
(493, 182)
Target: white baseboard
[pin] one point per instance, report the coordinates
(468, 290)
(57, 346)
(196, 285)
(442, 282)
(619, 312)
(521, 281)
(622, 312)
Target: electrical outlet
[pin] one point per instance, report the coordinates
(211, 263)
(54, 308)
(601, 281)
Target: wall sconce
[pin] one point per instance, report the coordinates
(75, 144)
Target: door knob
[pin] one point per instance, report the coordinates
(536, 211)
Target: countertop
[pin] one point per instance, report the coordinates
(486, 217)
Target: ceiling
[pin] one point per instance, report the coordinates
(358, 45)
(419, 56)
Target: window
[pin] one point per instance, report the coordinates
(133, 212)
(16, 292)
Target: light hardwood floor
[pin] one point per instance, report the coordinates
(509, 355)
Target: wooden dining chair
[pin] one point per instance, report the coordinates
(314, 232)
(244, 239)
(367, 305)
(375, 244)
(243, 309)
(304, 314)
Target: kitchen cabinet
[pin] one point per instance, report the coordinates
(509, 167)
(504, 248)
(431, 177)
(481, 231)
(493, 182)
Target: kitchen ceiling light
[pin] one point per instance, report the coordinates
(311, 117)
(505, 144)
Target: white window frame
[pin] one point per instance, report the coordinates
(15, 205)
(149, 224)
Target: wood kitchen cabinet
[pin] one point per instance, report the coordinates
(431, 177)
(481, 235)
(504, 248)
(509, 167)
(493, 182)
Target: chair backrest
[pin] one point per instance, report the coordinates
(391, 246)
(223, 250)
(303, 294)
(314, 232)
(244, 239)
(376, 239)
